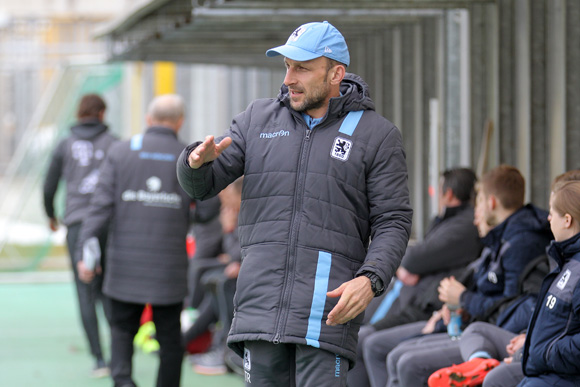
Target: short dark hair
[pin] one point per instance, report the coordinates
(91, 106)
(461, 181)
(507, 184)
(330, 63)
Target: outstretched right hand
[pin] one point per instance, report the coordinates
(207, 151)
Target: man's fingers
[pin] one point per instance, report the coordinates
(348, 307)
(226, 142)
(338, 314)
(334, 316)
(336, 292)
(207, 151)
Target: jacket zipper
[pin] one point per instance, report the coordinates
(297, 214)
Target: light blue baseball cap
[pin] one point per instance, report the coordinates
(313, 40)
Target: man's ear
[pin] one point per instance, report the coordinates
(492, 202)
(337, 73)
(148, 120)
(448, 194)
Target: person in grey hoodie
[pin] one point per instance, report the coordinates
(77, 159)
(325, 215)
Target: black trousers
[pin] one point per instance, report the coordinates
(89, 295)
(280, 365)
(125, 321)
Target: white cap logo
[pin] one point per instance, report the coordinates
(153, 184)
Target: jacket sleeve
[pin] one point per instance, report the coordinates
(206, 211)
(208, 180)
(452, 244)
(52, 178)
(521, 250)
(102, 205)
(564, 356)
(390, 210)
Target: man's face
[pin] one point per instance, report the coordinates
(308, 85)
(444, 197)
(481, 214)
(558, 223)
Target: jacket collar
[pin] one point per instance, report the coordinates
(452, 211)
(161, 130)
(563, 250)
(527, 218)
(88, 129)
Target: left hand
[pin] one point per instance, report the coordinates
(355, 295)
(450, 290)
(516, 343)
(406, 277)
(85, 274)
(430, 326)
(232, 270)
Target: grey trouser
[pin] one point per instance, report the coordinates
(504, 375)
(280, 365)
(377, 346)
(481, 336)
(413, 361)
(89, 295)
(357, 376)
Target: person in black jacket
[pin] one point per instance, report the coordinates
(450, 244)
(139, 195)
(76, 160)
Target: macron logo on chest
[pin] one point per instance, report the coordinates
(281, 133)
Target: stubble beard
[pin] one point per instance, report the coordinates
(315, 100)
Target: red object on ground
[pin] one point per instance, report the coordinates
(201, 344)
(471, 373)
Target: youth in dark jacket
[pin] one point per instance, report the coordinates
(508, 248)
(77, 159)
(324, 174)
(552, 348)
(139, 195)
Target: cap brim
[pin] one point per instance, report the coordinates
(292, 52)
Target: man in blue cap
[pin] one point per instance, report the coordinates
(324, 174)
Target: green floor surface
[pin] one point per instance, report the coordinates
(41, 344)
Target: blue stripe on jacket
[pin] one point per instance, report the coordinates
(350, 122)
(318, 298)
